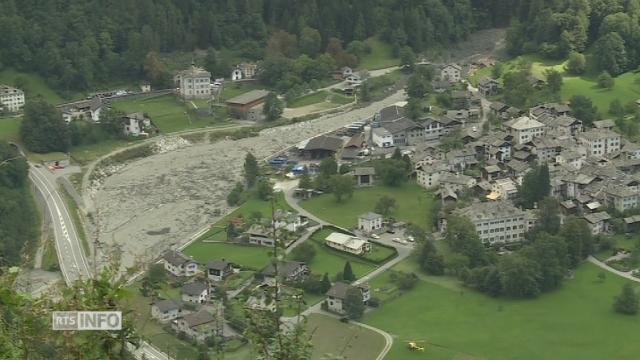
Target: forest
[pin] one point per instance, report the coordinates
(609, 30)
(78, 44)
(18, 216)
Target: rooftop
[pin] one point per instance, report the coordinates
(194, 288)
(198, 318)
(370, 216)
(194, 71)
(489, 210)
(248, 97)
(400, 125)
(523, 123)
(599, 134)
(218, 264)
(176, 258)
(364, 171)
(167, 305)
(285, 268)
(346, 240)
(324, 142)
(603, 124)
(391, 113)
(597, 217)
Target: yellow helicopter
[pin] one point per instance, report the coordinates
(413, 345)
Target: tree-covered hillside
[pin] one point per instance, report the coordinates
(78, 44)
(18, 216)
(555, 28)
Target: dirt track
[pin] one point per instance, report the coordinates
(158, 202)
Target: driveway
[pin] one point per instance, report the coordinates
(600, 264)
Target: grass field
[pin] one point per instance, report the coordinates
(626, 88)
(10, 128)
(380, 56)
(322, 98)
(574, 322)
(87, 153)
(414, 205)
(309, 99)
(151, 330)
(170, 114)
(33, 85)
(332, 261)
(233, 89)
(255, 257)
(330, 336)
(50, 257)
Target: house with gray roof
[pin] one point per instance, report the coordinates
(338, 293)
(498, 222)
(218, 270)
(199, 325)
(179, 264)
(249, 105)
(288, 271)
(193, 83)
(488, 86)
(389, 113)
(370, 222)
(195, 292)
(598, 222)
(166, 310)
(363, 175)
(320, 147)
(404, 131)
(524, 129)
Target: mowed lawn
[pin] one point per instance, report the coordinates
(380, 56)
(34, 85)
(233, 89)
(626, 88)
(574, 322)
(414, 205)
(10, 128)
(168, 113)
(212, 244)
(332, 261)
(316, 97)
(330, 336)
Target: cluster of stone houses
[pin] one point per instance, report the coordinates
(283, 222)
(591, 170)
(88, 110)
(11, 99)
(189, 314)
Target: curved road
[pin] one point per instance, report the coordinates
(600, 264)
(403, 253)
(71, 257)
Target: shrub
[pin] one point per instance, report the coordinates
(374, 302)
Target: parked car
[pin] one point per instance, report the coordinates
(399, 241)
(411, 238)
(375, 236)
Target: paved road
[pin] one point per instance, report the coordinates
(403, 252)
(73, 263)
(71, 257)
(626, 275)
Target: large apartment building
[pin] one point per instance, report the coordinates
(600, 142)
(524, 129)
(194, 83)
(498, 222)
(11, 99)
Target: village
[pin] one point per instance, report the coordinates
(592, 174)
